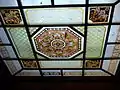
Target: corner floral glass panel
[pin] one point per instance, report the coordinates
(99, 14)
(11, 16)
(92, 63)
(29, 64)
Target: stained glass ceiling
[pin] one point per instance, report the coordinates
(60, 38)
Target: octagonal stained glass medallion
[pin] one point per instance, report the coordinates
(58, 42)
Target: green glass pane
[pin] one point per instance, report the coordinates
(21, 42)
(95, 41)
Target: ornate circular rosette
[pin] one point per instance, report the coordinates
(58, 42)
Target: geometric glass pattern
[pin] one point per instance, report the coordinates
(60, 38)
(58, 42)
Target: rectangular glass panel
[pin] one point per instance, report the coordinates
(35, 2)
(116, 14)
(113, 50)
(13, 66)
(69, 15)
(61, 64)
(101, 1)
(3, 37)
(7, 52)
(29, 73)
(63, 2)
(72, 72)
(114, 35)
(110, 65)
(95, 73)
(21, 42)
(51, 72)
(95, 41)
(4, 3)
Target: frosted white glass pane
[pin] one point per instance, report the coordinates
(72, 72)
(61, 64)
(62, 2)
(95, 73)
(55, 15)
(7, 52)
(35, 2)
(110, 65)
(29, 73)
(114, 35)
(109, 50)
(3, 36)
(116, 15)
(8, 3)
(51, 72)
(101, 1)
(13, 66)
(113, 50)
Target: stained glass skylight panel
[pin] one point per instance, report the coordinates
(57, 38)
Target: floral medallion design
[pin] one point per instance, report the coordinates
(11, 16)
(29, 64)
(61, 42)
(92, 63)
(99, 14)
